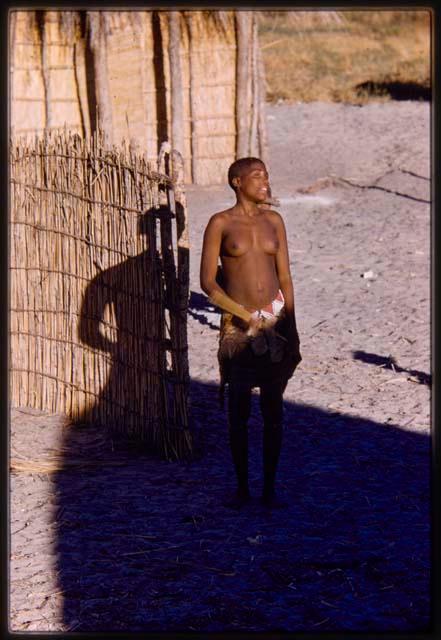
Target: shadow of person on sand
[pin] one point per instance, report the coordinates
(132, 338)
(145, 544)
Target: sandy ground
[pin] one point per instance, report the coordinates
(142, 544)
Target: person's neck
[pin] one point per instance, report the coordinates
(247, 207)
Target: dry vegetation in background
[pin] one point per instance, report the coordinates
(326, 55)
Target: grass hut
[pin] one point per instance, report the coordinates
(194, 78)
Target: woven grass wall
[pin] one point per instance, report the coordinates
(39, 72)
(99, 288)
(211, 86)
(53, 83)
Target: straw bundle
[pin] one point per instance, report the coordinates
(94, 272)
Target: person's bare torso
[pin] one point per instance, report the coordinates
(248, 255)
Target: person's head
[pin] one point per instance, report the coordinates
(249, 173)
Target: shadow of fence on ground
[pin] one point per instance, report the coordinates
(198, 308)
(146, 545)
(387, 362)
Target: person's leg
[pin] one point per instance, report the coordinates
(239, 408)
(271, 404)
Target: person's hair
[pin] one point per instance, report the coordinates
(238, 167)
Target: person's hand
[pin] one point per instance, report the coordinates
(254, 325)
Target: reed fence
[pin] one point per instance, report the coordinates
(99, 284)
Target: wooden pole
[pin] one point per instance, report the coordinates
(194, 90)
(261, 125)
(98, 47)
(183, 279)
(177, 107)
(12, 39)
(255, 98)
(79, 66)
(243, 30)
(45, 63)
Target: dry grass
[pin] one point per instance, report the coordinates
(324, 55)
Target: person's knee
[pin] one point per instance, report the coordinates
(271, 404)
(239, 406)
(238, 417)
(272, 410)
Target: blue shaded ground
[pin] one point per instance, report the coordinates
(147, 545)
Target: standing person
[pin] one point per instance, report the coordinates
(259, 342)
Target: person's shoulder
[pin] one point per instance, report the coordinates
(220, 218)
(274, 216)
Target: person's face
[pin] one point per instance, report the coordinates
(254, 182)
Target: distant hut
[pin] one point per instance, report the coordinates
(194, 78)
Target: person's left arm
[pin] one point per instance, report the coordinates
(284, 275)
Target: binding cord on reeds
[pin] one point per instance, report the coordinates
(99, 289)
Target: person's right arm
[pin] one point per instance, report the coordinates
(209, 261)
